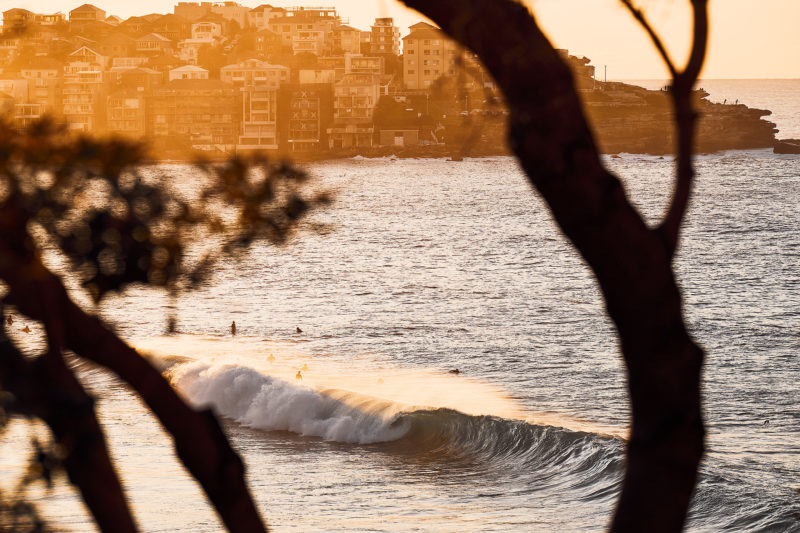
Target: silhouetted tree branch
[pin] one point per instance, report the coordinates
(686, 122)
(90, 201)
(47, 389)
(199, 440)
(632, 262)
(641, 19)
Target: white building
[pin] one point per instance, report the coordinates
(188, 72)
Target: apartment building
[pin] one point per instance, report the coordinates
(203, 113)
(254, 72)
(427, 55)
(347, 40)
(259, 128)
(307, 29)
(258, 83)
(84, 97)
(126, 113)
(142, 78)
(44, 82)
(304, 112)
(359, 64)
(354, 101)
(385, 37)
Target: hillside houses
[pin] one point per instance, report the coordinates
(219, 76)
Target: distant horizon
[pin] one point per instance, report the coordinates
(730, 56)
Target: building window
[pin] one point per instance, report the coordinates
(411, 71)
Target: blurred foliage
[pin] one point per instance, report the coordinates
(17, 513)
(120, 219)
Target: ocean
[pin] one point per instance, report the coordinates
(431, 266)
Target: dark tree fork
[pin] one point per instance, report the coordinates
(631, 261)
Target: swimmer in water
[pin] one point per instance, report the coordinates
(299, 375)
(271, 358)
(26, 329)
(299, 330)
(9, 320)
(380, 381)
(305, 367)
(233, 328)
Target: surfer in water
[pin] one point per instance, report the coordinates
(233, 328)
(271, 358)
(299, 375)
(299, 330)
(9, 320)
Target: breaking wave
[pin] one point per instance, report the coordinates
(266, 402)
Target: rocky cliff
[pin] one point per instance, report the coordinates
(627, 118)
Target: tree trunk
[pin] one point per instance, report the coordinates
(632, 263)
(199, 440)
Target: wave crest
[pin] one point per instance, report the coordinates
(266, 402)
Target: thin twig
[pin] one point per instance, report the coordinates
(686, 120)
(639, 16)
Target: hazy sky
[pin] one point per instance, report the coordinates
(749, 38)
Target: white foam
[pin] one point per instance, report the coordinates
(266, 402)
